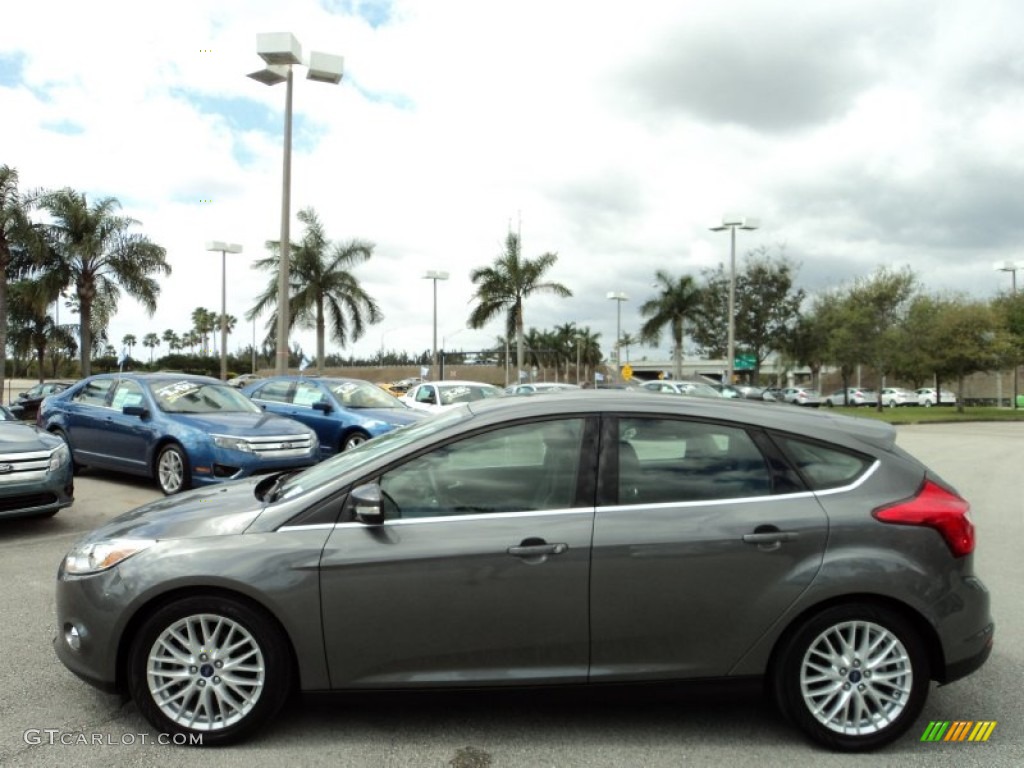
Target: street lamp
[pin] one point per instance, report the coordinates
(435, 275)
(224, 248)
(732, 223)
(618, 297)
(281, 51)
(1012, 267)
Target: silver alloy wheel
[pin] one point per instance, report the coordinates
(856, 678)
(354, 440)
(171, 470)
(205, 672)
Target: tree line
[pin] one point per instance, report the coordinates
(84, 255)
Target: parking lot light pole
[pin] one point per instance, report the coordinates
(224, 248)
(1012, 267)
(618, 297)
(281, 51)
(435, 275)
(732, 223)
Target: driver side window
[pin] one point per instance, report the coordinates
(514, 469)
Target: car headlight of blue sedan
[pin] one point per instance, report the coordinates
(232, 443)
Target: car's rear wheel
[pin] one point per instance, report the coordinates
(172, 471)
(211, 669)
(354, 439)
(893, 403)
(928, 403)
(853, 677)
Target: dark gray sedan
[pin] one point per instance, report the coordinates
(574, 539)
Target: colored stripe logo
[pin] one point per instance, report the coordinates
(958, 730)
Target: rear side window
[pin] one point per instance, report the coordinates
(824, 466)
(672, 460)
(94, 392)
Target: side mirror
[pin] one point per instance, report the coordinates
(23, 395)
(322, 405)
(367, 505)
(135, 410)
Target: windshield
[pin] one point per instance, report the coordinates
(184, 396)
(342, 463)
(363, 394)
(465, 393)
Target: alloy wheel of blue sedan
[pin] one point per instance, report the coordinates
(172, 470)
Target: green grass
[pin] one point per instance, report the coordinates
(919, 415)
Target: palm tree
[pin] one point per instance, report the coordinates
(129, 341)
(589, 351)
(173, 342)
(503, 287)
(17, 236)
(151, 341)
(679, 300)
(626, 341)
(323, 289)
(97, 252)
(203, 323)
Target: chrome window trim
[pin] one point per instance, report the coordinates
(589, 511)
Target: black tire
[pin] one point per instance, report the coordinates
(928, 403)
(353, 439)
(205, 704)
(828, 404)
(172, 471)
(804, 680)
(893, 404)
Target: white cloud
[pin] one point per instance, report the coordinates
(859, 132)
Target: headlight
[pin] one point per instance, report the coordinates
(232, 443)
(58, 458)
(100, 555)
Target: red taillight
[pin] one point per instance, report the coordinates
(937, 508)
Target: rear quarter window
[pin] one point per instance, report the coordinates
(824, 466)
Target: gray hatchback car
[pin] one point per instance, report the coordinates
(580, 539)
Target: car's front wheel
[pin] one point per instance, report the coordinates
(209, 670)
(853, 677)
(354, 439)
(172, 471)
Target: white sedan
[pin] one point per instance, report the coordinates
(929, 396)
(435, 396)
(894, 397)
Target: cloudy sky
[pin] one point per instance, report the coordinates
(860, 133)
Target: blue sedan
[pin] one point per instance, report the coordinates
(344, 412)
(183, 430)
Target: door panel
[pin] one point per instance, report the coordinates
(480, 576)
(698, 557)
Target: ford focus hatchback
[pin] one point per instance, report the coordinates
(577, 539)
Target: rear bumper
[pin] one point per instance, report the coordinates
(966, 666)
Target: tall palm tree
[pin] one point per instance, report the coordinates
(172, 339)
(503, 286)
(677, 302)
(626, 341)
(322, 289)
(203, 323)
(18, 241)
(151, 341)
(97, 252)
(129, 341)
(589, 351)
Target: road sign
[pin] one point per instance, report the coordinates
(745, 362)
(627, 372)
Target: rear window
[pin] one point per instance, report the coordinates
(824, 466)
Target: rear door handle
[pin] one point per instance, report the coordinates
(774, 537)
(536, 550)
